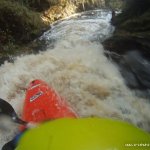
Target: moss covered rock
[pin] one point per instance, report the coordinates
(38, 5)
(18, 22)
(132, 27)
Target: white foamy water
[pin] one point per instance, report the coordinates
(78, 69)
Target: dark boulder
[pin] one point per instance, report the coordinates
(135, 68)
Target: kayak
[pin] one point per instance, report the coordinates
(59, 126)
(43, 103)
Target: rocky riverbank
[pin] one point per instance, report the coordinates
(131, 42)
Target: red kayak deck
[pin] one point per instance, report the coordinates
(43, 103)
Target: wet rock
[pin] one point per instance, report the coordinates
(139, 66)
(135, 68)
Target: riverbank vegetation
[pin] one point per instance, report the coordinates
(132, 28)
(22, 21)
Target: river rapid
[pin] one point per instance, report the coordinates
(75, 65)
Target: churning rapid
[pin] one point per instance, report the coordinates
(78, 69)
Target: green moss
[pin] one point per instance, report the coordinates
(38, 5)
(18, 22)
(140, 24)
(18, 26)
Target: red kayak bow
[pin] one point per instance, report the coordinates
(44, 103)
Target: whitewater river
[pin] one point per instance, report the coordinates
(78, 69)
